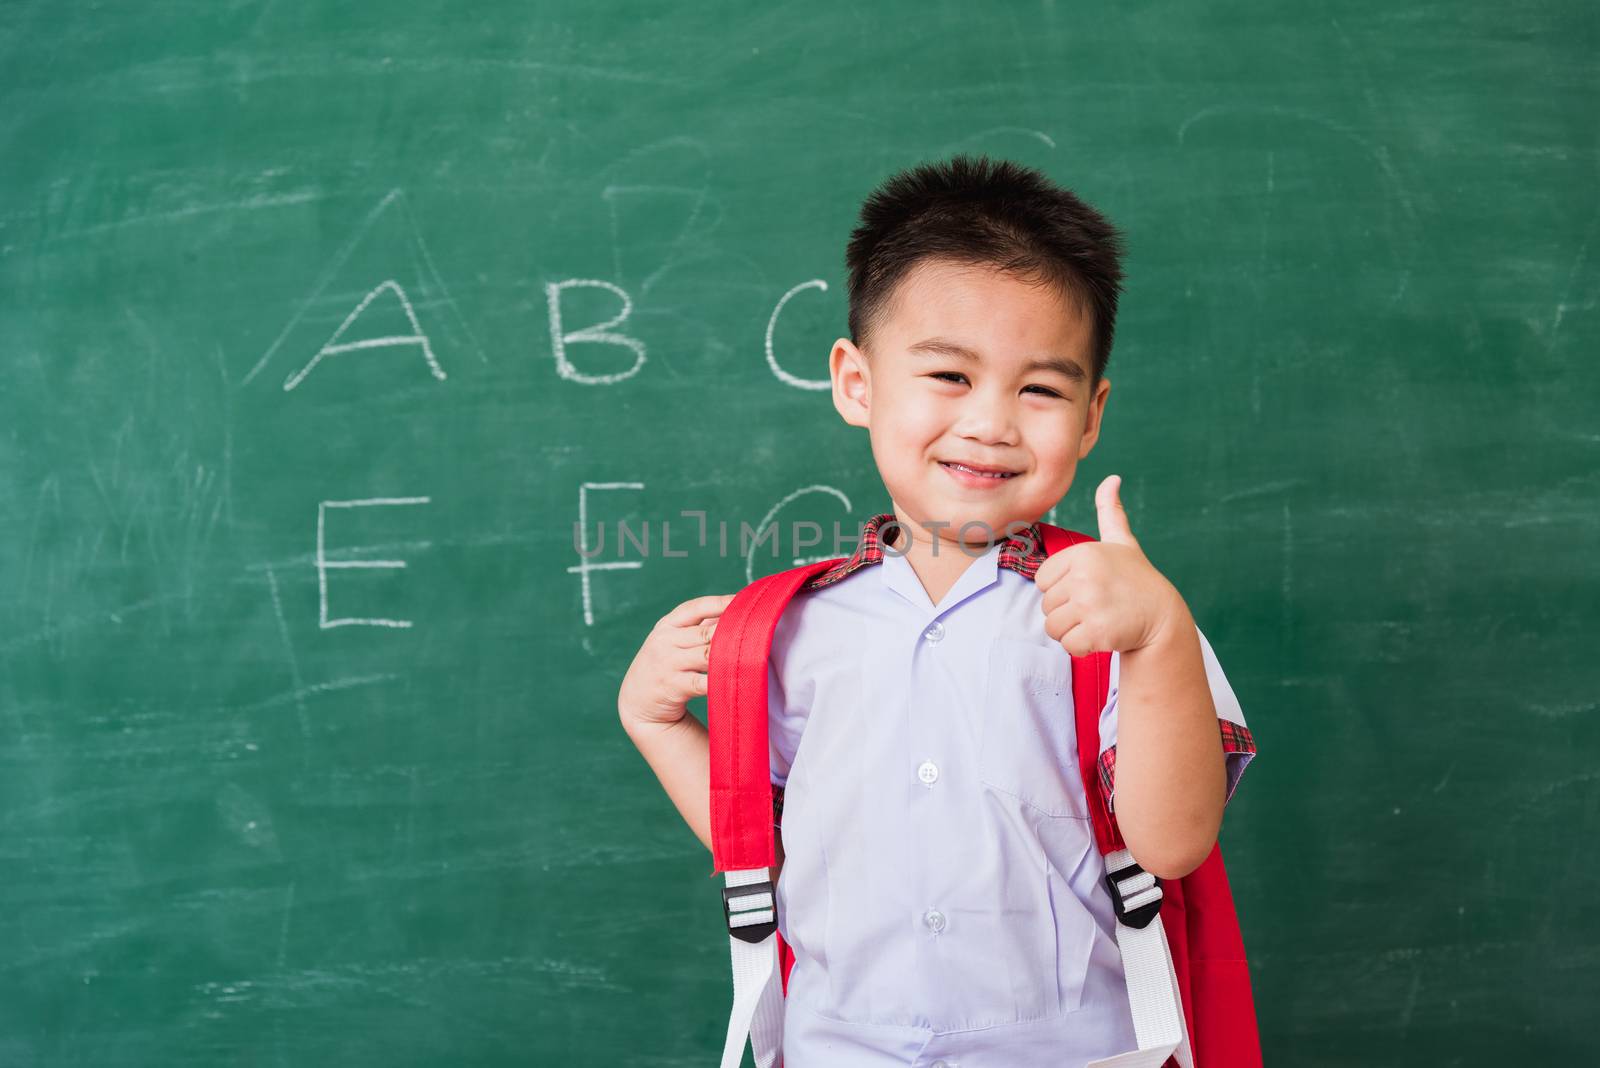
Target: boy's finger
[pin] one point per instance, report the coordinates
(691, 658)
(693, 682)
(698, 608)
(696, 636)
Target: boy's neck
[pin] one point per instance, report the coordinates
(937, 572)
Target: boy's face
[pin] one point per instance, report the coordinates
(1001, 406)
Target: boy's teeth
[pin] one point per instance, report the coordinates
(980, 474)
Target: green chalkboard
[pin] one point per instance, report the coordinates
(288, 288)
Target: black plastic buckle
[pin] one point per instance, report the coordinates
(1140, 917)
(750, 932)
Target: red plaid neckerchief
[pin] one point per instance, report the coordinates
(1022, 551)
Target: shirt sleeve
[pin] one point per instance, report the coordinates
(1238, 745)
(787, 704)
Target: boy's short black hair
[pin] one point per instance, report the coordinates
(975, 210)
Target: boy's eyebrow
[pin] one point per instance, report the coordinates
(938, 346)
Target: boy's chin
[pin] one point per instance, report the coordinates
(954, 513)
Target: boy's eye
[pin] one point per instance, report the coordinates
(957, 376)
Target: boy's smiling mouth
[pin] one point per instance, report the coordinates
(976, 474)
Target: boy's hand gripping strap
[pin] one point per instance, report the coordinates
(741, 808)
(1153, 994)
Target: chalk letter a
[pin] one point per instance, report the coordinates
(335, 345)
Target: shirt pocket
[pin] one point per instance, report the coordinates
(1029, 742)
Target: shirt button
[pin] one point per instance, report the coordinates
(928, 772)
(935, 632)
(934, 919)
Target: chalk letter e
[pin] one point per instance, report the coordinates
(324, 565)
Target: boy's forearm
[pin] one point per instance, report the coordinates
(680, 755)
(1171, 775)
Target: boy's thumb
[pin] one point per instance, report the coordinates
(1114, 526)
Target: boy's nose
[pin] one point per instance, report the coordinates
(989, 419)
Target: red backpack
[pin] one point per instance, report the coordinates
(1188, 982)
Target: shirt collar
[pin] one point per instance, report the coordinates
(1021, 552)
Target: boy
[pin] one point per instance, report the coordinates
(937, 878)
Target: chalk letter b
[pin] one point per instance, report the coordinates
(560, 338)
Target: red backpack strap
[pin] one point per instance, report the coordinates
(1091, 685)
(736, 719)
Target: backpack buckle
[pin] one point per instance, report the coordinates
(1135, 895)
(750, 910)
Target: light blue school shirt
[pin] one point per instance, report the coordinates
(941, 889)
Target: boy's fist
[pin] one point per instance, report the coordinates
(1104, 596)
(670, 666)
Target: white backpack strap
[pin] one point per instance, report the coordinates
(751, 908)
(1147, 960)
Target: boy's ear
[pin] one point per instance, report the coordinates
(1091, 424)
(852, 381)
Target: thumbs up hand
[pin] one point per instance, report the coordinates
(1103, 596)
